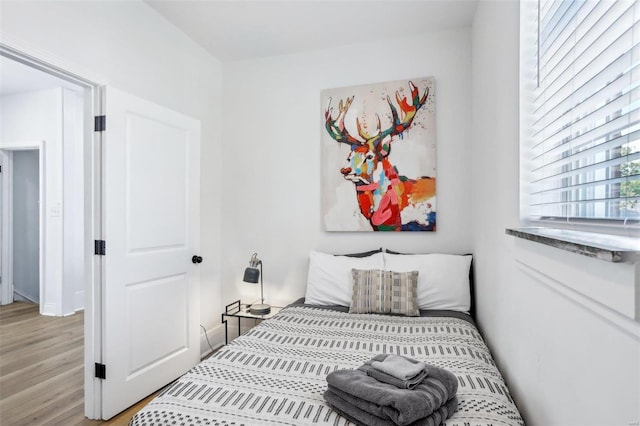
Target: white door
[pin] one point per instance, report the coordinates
(151, 314)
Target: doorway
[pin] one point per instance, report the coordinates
(22, 216)
(80, 100)
(43, 258)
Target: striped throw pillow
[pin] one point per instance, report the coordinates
(384, 292)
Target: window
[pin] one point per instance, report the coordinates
(581, 112)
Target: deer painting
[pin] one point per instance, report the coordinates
(388, 200)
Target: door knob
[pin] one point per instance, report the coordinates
(196, 259)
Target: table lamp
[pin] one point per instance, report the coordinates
(251, 275)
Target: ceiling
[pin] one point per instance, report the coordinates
(233, 30)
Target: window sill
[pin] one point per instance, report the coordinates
(610, 248)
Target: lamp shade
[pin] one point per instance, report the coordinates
(251, 275)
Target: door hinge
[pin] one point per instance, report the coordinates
(101, 371)
(99, 247)
(100, 123)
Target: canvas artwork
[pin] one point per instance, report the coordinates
(379, 157)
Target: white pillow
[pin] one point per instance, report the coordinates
(329, 281)
(443, 280)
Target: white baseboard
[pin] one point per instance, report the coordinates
(49, 309)
(19, 297)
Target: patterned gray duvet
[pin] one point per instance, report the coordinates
(275, 373)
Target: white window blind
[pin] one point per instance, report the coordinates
(583, 138)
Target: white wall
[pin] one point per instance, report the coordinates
(559, 324)
(26, 218)
(272, 165)
(128, 45)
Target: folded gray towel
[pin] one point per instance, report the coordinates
(401, 406)
(398, 366)
(360, 417)
(381, 376)
(385, 378)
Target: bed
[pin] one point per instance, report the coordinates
(275, 374)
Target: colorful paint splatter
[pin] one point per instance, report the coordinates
(363, 188)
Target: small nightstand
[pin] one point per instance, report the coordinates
(239, 310)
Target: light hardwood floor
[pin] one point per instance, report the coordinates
(41, 369)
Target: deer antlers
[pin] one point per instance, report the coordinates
(338, 131)
(336, 127)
